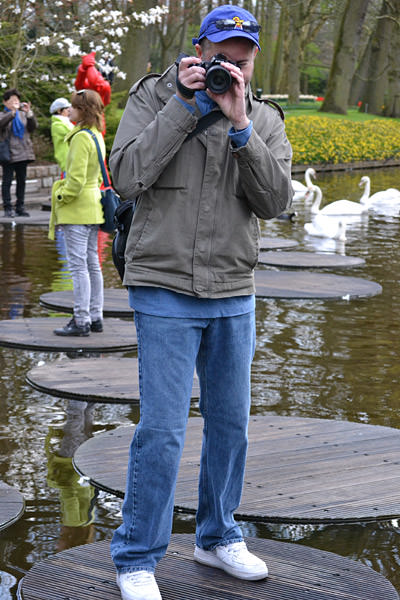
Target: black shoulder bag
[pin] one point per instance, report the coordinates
(110, 200)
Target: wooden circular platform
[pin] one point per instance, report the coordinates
(275, 243)
(269, 284)
(305, 284)
(12, 505)
(298, 469)
(37, 334)
(116, 302)
(295, 573)
(96, 380)
(309, 260)
(36, 217)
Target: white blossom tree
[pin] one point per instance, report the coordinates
(32, 30)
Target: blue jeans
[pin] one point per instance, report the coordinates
(169, 349)
(84, 266)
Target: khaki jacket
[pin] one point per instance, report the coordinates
(195, 229)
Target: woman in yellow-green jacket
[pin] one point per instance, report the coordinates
(76, 208)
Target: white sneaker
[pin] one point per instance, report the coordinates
(235, 559)
(138, 585)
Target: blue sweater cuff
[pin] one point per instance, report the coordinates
(185, 104)
(240, 138)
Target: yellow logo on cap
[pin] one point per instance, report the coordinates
(238, 22)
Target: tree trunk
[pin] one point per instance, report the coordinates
(392, 108)
(136, 54)
(360, 76)
(277, 66)
(344, 57)
(293, 65)
(266, 15)
(374, 92)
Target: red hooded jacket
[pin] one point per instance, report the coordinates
(89, 78)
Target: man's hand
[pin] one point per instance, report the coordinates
(26, 107)
(232, 102)
(191, 76)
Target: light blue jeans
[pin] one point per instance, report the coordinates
(169, 349)
(84, 266)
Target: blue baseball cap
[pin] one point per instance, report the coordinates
(226, 22)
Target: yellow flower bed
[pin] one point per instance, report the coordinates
(324, 140)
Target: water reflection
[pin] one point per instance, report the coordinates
(331, 359)
(15, 285)
(77, 497)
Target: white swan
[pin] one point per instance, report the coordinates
(299, 187)
(326, 227)
(384, 196)
(337, 208)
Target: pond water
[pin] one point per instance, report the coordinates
(328, 359)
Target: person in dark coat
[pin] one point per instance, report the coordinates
(17, 121)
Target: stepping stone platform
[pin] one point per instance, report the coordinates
(305, 285)
(269, 284)
(298, 470)
(274, 243)
(113, 380)
(309, 260)
(116, 302)
(37, 334)
(12, 505)
(295, 573)
(36, 217)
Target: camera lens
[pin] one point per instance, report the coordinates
(218, 79)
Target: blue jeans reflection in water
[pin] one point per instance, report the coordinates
(222, 350)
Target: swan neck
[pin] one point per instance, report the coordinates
(317, 200)
(366, 192)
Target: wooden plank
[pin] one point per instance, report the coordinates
(92, 379)
(295, 573)
(298, 469)
(12, 505)
(305, 284)
(309, 260)
(37, 334)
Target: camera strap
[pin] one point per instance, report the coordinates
(205, 121)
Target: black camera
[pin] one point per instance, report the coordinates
(218, 78)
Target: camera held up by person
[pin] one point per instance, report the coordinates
(218, 78)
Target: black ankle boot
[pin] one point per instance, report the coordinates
(72, 328)
(96, 326)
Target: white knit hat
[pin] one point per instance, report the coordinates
(59, 104)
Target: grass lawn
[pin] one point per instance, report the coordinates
(352, 114)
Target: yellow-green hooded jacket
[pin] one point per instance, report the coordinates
(60, 127)
(75, 200)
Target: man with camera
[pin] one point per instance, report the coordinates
(201, 183)
(17, 122)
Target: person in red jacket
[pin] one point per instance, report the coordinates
(89, 78)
